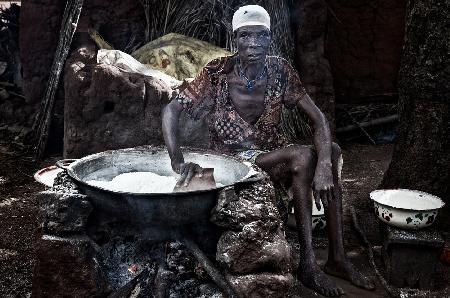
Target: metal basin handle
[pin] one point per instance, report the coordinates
(251, 179)
(64, 163)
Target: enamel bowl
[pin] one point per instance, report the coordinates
(318, 218)
(405, 208)
(47, 175)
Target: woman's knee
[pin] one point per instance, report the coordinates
(336, 150)
(336, 157)
(303, 160)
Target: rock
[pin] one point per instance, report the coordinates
(109, 108)
(63, 183)
(209, 290)
(261, 285)
(259, 246)
(67, 267)
(235, 210)
(63, 213)
(255, 238)
(239, 205)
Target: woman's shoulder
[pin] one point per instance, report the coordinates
(279, 62)
(220, 65)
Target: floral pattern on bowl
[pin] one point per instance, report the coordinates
(407, 209)
(318, 222)
(404, 219)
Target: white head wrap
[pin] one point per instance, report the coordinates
(250, 15)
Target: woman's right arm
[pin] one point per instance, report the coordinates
(170, 116)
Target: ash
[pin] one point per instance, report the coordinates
(63, 183)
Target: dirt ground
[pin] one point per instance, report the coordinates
(363, 169)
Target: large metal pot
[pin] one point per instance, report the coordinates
(157, 209)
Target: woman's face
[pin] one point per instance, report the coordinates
(252, 43)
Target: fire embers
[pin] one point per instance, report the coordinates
(157, 270)
(133, 269)
(189, 278)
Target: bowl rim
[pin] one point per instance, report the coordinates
(41, 172)
(372, 193)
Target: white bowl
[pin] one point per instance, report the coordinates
(405, 208)
(47, 175)
(318, 218)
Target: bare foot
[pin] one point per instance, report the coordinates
(313, 278)
(347, 271)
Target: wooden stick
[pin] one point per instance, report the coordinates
(393, 292)
(383, 120)
(127, 289)
(42, 122)
(146, 5)
(16, 94)
(6, 84)
(213, 272)
(162, 281)
(360, 127)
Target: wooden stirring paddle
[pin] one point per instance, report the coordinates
(207, 181)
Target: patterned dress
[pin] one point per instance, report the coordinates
(208, 96)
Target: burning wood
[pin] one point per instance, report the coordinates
(133, 269)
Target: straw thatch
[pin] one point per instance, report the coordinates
(210, 20)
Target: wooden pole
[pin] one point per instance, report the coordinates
(41, 126)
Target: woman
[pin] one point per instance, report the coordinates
(242, 97)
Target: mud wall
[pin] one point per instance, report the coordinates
(40, 22)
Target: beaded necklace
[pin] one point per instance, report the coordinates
(250, 83)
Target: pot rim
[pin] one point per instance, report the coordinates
(254, 176)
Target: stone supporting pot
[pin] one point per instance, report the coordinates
(254, 250)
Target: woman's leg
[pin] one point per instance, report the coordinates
(337, 263)
(297, 163)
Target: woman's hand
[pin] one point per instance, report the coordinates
(323, 186)
(187, 171)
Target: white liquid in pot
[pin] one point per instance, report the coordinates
(138, 182)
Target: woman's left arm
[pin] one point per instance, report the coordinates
(323, 185)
